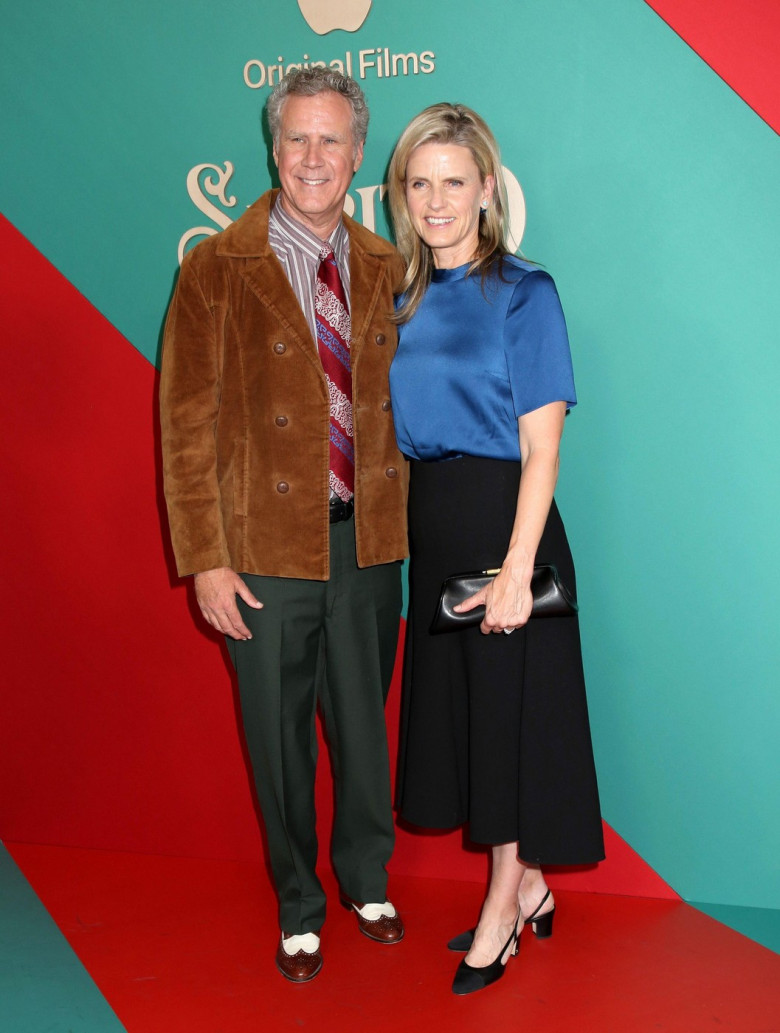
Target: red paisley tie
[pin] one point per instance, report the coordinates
(333, 338)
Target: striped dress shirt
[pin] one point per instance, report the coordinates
(298, 250)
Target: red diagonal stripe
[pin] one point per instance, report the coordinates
(738, 40)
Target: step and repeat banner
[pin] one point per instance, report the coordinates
(638, 176)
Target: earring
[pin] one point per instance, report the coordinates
(484, 206)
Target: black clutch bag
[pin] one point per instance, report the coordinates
(551, 598)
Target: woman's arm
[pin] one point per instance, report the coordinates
(508, 597)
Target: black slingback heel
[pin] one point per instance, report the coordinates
(542, 926)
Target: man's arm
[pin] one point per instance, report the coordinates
(190, 387)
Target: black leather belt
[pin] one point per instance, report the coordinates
(340, 510)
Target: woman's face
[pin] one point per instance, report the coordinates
(444, 193)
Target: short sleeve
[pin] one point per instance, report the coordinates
(536, 346)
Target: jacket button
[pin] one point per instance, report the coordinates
(280, 347)
(391, 472)
(386, 405)
(380, 338)
(282, 487)
(281, 421)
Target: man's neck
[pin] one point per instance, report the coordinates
(320, 228)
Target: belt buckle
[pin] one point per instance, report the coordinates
(340, 510)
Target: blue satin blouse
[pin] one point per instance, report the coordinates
(469, 363)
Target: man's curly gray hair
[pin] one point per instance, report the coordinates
(308, 82)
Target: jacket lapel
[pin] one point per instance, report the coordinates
(268, 282)
(246, 244)
(366, 273)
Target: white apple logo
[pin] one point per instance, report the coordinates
(326, 15)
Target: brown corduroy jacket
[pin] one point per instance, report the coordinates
(245, 412)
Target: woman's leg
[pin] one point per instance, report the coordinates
(499, 912)
(532, 892)
(514, 887)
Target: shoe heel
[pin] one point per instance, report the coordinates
(543, 925)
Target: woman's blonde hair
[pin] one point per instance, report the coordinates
(446, 124)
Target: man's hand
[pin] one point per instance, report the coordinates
(216, 592)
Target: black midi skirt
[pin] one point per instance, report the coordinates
(494, 728)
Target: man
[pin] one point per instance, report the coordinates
(286, 497)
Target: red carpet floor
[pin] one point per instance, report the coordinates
(187, 946)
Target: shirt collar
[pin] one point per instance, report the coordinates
(300, 237)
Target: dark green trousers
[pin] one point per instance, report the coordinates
(334, 642)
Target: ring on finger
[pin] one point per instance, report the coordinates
(508, 631)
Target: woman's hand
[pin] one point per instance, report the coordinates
(507, 600)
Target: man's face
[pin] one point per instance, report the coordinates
(316, 156)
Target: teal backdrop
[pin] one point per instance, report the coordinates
(652, 196)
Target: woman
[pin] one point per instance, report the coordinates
(495, 727)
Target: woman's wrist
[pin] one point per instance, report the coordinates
(519, 562)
